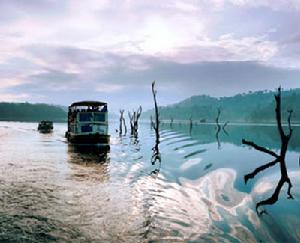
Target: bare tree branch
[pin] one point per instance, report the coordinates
(156, 154)
(259, 169)
(271, 200)
(289, 123)
(134, 119)
(279, 158)
(278, 113)
(290, 196)
(259, 148)
(218, 128)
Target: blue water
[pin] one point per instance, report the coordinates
(52, 191)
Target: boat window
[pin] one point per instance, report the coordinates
(86, 128)
(99, 117)
(100, 129)
(104, 108)
(87, 116)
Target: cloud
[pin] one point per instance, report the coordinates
(214, 78)
(12, 10)
(7, 97)
(109, 88)
(53, 80)
(278, 5)
(7, 83)
(286, 5)
(227, 48)
(57, 52)
(120, 83)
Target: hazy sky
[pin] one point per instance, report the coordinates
(59, 51)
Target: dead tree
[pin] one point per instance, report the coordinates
(217, 120)
(151, 122)
(156, 154)
(134, 120)
(125, 127)
(122, 123)
(137, 117)
(218, 128)
(278, 158)
(191, 124)
(171, 122)
(223, 127)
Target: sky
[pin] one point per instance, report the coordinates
(61, 51)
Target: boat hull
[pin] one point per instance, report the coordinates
(99, 139)
(45, 130)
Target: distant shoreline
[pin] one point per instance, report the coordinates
(32, 121)
(236, 123)
(177, 122)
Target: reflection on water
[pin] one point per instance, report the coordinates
(88, 162)
(88, 154)
(52, 191)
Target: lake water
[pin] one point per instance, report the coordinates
(52, 191)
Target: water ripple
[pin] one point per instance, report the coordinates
(52, 191)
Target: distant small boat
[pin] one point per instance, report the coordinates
(45, 126)
(88, 123)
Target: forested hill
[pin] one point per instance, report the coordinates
(31, 112)
(251, 107)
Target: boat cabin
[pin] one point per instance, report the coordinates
(88, 123)
(45, 126)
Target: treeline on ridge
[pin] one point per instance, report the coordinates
(31, 112)
(248, 107)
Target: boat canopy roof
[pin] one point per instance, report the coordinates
(88, 103)
(46, 121)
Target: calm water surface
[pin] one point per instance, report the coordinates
(52, 191)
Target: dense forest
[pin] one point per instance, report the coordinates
(248, 107)
(31, 112)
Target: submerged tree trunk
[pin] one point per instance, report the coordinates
(171, 122)
(223, 127)
(218, 128)
(278, 158)
(151, 122)
(134, 121)
(156, 154)
(191, 125)
(122, 123)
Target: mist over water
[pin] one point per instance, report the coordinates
(53, 191)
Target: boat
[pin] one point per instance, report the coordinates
(88, 123)
(45, 126)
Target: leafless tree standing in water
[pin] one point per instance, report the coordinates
(278, 158)
(122, 123)
(218, 128)
(156, 154)
(151, 122)
(171, 122)
(134, 121)
(191, 125)
(223, 127)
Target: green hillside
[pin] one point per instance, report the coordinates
(251, 107)
(31, 112)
